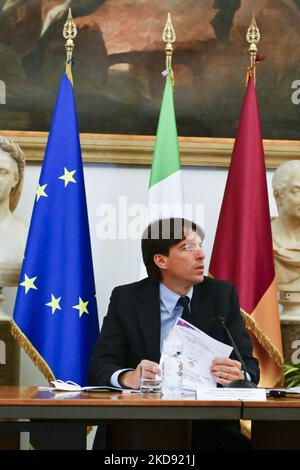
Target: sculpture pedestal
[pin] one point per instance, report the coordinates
(9, 375)
(9, 356)
(290, 326)
(9, 350)
(290, 302)
(290, 330)
(9, 369)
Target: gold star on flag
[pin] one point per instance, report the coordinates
(67, 176)
(82, 307)
(41, 191)
(54, 304)
(28, 283)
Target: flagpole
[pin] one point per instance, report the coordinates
(253, 38)
(169, 37)
(69, 33)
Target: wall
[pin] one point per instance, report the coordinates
(117, 261)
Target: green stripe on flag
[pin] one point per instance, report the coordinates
(166, 159)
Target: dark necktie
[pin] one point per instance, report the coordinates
(186, 313)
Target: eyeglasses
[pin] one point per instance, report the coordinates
(193, 246)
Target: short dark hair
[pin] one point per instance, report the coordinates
(160, 236)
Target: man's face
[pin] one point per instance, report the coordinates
(185, 262)
(9, 175)
(289, 199)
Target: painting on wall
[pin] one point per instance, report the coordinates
(119, 57)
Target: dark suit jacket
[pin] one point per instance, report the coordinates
(131, 328)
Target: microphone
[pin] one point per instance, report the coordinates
(241, 383)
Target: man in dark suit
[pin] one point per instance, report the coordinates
(141, 315)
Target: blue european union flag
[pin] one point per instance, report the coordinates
(55, 317)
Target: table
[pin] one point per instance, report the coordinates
(57, 422)
(275, 423)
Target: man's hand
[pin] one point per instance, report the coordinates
(132, 378)
(226, 370)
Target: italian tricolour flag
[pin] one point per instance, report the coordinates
(165, 197)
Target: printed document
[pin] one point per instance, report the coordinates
(198, 352)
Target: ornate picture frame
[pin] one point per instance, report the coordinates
(118, 85)
(138, 150)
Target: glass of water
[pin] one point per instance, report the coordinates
(150, 385)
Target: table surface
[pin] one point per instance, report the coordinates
(274, 409)
(32, 403)
(13, 395)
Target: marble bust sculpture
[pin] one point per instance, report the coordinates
(13, 231)
(286, 235)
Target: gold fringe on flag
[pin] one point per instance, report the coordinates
(265, 342)
(32, 352)
(36, 357)
(263, 339)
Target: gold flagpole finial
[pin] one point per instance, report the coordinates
(69, 33)
(253, 38)
(169, 37)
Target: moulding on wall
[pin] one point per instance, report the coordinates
(138, 150)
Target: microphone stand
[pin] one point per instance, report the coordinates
(241, 383)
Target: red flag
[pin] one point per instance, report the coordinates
(242, 252)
